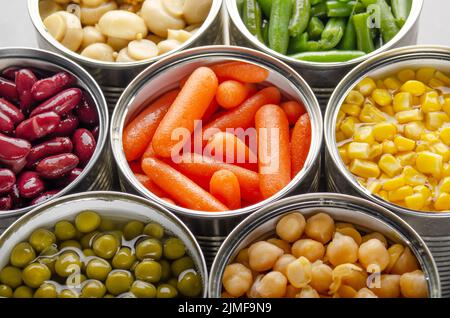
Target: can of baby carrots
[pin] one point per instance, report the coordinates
(113, 77)
(364, 216)
(432, 226)
(322, 77)
(211, 228)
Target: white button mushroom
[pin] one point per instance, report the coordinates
(92, 3)
(123, 25)
(91, 35)
(155, 38)
(66, 28)
(196, 11)
(48, 7)
(91, 15)
(99, 51)
(142, 49)
(174, 7)
(168, 45)
(179, 35)
(158, 20)
(117, 44)
(124, 57)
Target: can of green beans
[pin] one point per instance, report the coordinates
(432, 226)
(366, 216)
(322, 76)
(211, 228)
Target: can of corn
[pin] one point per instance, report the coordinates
(212, 228)
(432, 226)
(364, 215)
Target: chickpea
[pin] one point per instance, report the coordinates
(290, 227)
(283, 262)
(389, 286)
(414, 285)
(291, 291)
(343, 225)
(342, 249)
(226, 295)
(373, 252)
(395, 251)
(308, 248)
(320, 227)
(242, 257)
(375, 235)
(272, 285)
(308, 292)
(253, 293)
(345, 291)
(123, 25)
(353, 233)
(321, 277)
(91, 15)
(299, 272)
(350, 275)
(365, 293)
(263, 255)
(281, 244)
(406, 263)
(99, 51)
(237, 279)
(91, 35)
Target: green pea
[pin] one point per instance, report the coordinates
(87, 221)
(41, 239)
(166, 291)
(124, 259)
(149, 248)
(93, 289)
(109, 296)
(22, 254)
(64, 230)
(48, 257)
(148, 271)
(106, 246)
(6, 291)
(67, 293)
(154, 230)
(165, 270)
(71, 244)
(67, 264)
(11, 276)
(98, 269)
(119, 282)
(173, 282)
(174, 248)
(75, 280)
(34, 275)
(142, 289)
(133, 229)
(190, 284)
(107, 225)
(23, 292)
(182, 264)
(47, 290)
(88, 252)
(87, 239)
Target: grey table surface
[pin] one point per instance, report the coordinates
(16, 28)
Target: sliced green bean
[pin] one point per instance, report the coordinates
(363, 37)
(328, 56)
(240, 6)
(252, 18)
(265, 31)
(333, 33)
(319, 10)
(401, 10)
(338, 9)
(314, 2)
(315, 28)
(388, 25)
(280, 16)
(300, 17)
(301, 43)
(266, 7)
(348, 41)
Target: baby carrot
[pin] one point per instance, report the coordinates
(300, 143)
(228, 148)
(189, 106)
(138, 134)
(272, 127)
(231, 94)
(135, 166)
(180, 187)
(224, 185)
(204, 167)
(149, 152)
(240, 71)
(170, 201)
(212, 108)
(243, 116)
(150, 185)
(293, 110)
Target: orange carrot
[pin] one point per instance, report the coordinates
(228, 148)
(139, 133)
(149, 152)
(240, 71)
(243, 116)
(135, 166)
(205, 167)
(293, 111)
(231, 94)
(224, 185)
(272, 127)
(170, 201)
(150, 185)
(212, 108)
(190, 105)
(180, 187)
(300, 143)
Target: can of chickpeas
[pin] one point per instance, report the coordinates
(116, 40)
(211, 228)
(322, 77)
(319, 225)
(419, 73)
(96, 175)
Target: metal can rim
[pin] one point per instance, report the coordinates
(118, 119)
(430, 52)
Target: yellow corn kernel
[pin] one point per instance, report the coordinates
(364, 134)
(348, 126)
(442, 202)
(340, 136)
(394, 183)
(344, 156)
(366, 86)
(407, 116)
(383, 194)
(430, 102)
(423, 146)
(416, 88)
(365, 169)
(340, 118)
(435, 120)
(446, 105)
(402, 101)
(429, 137)
(413, 177)
(400, 194)
(374, 186)
(390, 165)
(425, 74)
(380, 84)
(407, 158)
(429, 163)
(428, 89)
(435, 83)
(445, 185)
(441, 149)
(392, 83)
(445, 135)
(382, 97)
(415, 201)
(442, 77)
(404, 144)
(424, 191)
(406, 75)
(416, 101)
(414, 130)
(375, 151)
(358, 150)
(354, 97)
(389, 147)
(384, 131)
(446, 170)
(388, 110)
(371, 114)
(351, 109)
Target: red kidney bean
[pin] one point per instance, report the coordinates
(13, 148)
(11, 111)
(5, 203)
(25, 80)
(61, 103)
(8, 89)
(49, 148)
(7, 180)
(75, 173)
(16, 165)
(66, 127)
(15, 196)
(45, 196)
(38, 126)
(83, 145)
(10, 73)
(68, 178)
(30, 185)
(6, 124)
(57, 166)
(47, 87)
(95, 132)
(86, 112)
